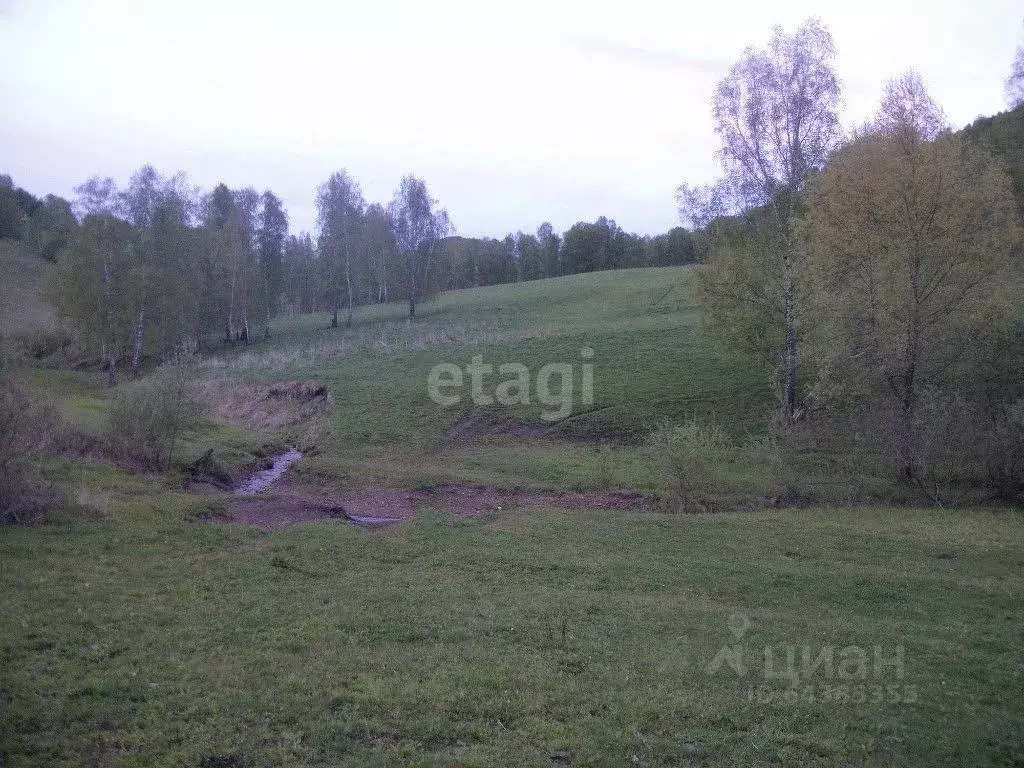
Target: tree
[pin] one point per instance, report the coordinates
(270, 237)
(907, 112)
(16, 207)
(908, 239)
(339, 205)
(550, 244)
(776, 115)
(93, 274)
(164, 289)
(299, 273)
(589, 247)
(417, 225)
(230, 221)
(92, 280)
(677, 246)
(1015, 80)
(251, 296)
(51, 227)
(378, 244)
(530, 257)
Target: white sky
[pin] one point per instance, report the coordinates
(514, 112)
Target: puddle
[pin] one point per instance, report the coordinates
(263, 480)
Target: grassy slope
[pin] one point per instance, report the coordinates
(22, 279)
(150, 638)
(652, 361)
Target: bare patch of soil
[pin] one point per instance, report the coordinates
(373, 506)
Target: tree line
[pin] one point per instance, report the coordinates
(159, 264)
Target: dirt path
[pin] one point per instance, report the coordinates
(375, 506)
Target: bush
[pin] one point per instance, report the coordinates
(688, 454)
(25, 497)
(147, 417)
(1004, 452)
(37, 346)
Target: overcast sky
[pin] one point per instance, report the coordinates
(513, 112)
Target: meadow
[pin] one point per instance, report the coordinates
(148, 629)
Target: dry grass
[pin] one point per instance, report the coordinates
(264, 406)
(296, 411)
(389, 338)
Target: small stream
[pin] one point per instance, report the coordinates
(260, 481)
(263, 480)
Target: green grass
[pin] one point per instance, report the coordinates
(531, 638)
(652, 361)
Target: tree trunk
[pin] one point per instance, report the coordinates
(137, 342)
(348, 281)
(231, 311)
(108, 349)
(107, 355)
(412, 308)
(789, 359)
(334, 320)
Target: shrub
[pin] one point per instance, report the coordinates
(1004, 452)
(947, 435)
(36, 346)
(25, 497)
(688, 454)
(147, 417)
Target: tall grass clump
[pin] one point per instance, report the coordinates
(147, 417)
(689, 454)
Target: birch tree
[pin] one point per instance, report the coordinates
(418, 225)
(776, 116)
(1014, 86)
(273, 229)
(339, 205)
(379, 246)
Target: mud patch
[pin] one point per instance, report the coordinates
(376, 506)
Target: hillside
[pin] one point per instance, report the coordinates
(651, 361)
(22, 283)
(1003, 135)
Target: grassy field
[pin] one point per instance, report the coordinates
(529, 638)
(141, 633)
